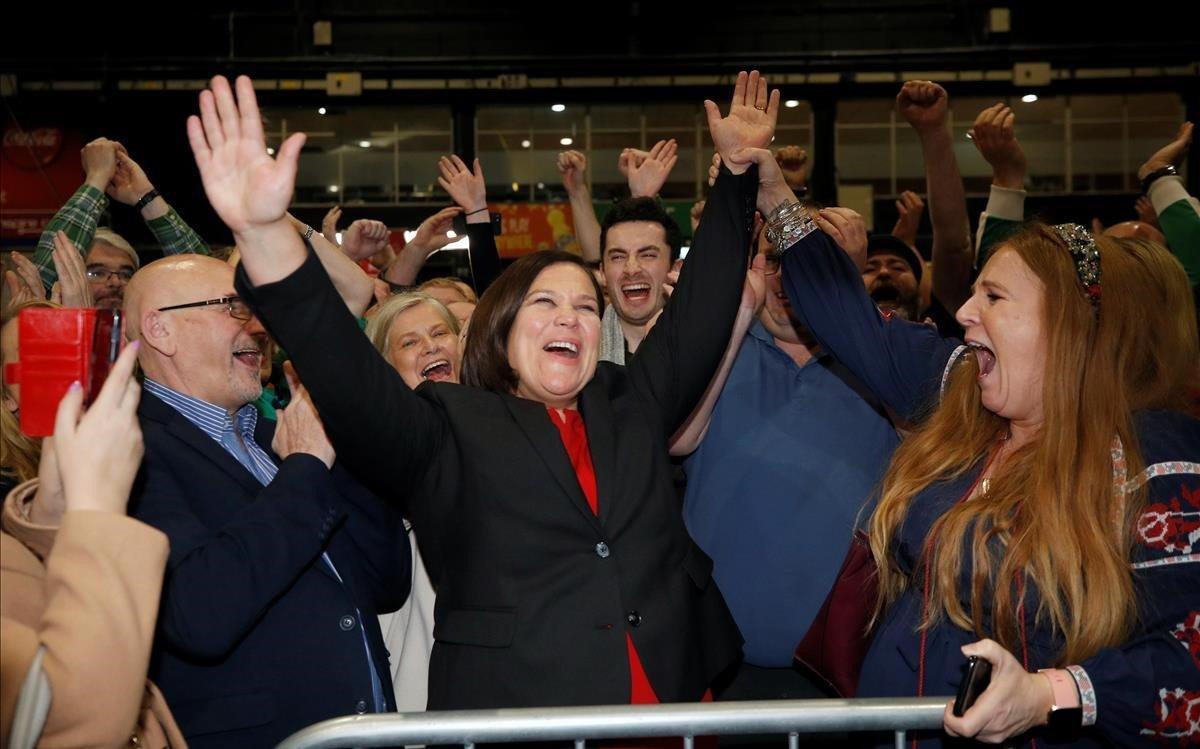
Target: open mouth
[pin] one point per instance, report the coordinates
(636, 292)
(564, 349)
(886, 294)
(438, 370)
(984, 357)
(251, 357)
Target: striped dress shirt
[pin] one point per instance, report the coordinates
(235, 433)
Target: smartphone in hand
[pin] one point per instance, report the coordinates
(56, 347)
(979, 675)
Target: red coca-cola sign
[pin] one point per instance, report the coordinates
(31, 149)
(38, 172)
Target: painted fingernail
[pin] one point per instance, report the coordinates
(76, 386)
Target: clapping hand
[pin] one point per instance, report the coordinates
(300, 429)
(99, 161)
(647, 175)
(129, 183)
(23, 281)
(72, 288)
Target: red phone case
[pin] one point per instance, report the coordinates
(58, 347)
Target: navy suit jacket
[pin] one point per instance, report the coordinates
(257, 637)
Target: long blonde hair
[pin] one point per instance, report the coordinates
(1051, 510)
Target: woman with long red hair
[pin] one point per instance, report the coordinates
(1044, 514)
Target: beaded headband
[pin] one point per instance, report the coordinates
(1086, 256)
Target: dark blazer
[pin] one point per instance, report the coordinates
(256, 636)
(536, 594)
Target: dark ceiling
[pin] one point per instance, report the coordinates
(486, 38)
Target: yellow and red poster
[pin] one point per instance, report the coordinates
(530, 227)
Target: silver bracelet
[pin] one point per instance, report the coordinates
(788, 224)
(308, 232)
(784, 210)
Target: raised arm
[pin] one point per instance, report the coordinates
(131, 186)
(469, 190)
(79, 215)
(901, 362)
(677, 360)
(923, 104)
(250, 191)
(1178, 212)
(994, 134)
(691, 434)
(431, 236)
(351, 281)
(572, 165)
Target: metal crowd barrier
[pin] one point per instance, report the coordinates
(580, 724)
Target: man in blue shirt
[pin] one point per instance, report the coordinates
(792, 453)
(279, 560)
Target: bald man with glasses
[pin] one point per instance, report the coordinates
(279, 560)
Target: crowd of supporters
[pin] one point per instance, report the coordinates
(318, 483)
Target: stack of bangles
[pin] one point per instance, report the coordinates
(788, 224)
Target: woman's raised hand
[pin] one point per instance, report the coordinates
(247, 188)
(751, 119)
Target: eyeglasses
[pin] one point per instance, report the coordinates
(103, 274)
(773, 258)
(234, 305)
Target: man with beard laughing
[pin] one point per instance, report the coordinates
(639, 241)
(893, 276)
(279, 561)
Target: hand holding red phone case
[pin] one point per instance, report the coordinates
(57, 347)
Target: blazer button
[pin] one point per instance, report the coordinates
(346, 623)
(634, 618)
(602, 550)
(360, 707)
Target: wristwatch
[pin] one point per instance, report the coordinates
(145, 199)
(1066, 713)
(1164, 171)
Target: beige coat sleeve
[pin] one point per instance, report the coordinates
(103, 578)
